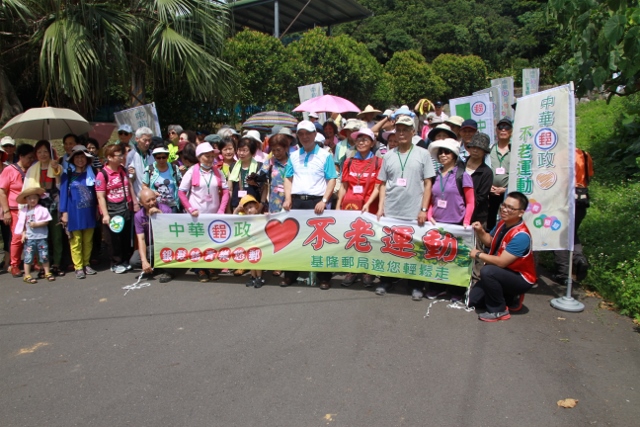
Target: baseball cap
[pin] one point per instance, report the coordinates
(306, 125)
(125, 128)
(469, 123)
(406, 121)
(247, 199)
(203, 148)
(7, 140)
(505, 121)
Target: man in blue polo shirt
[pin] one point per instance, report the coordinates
(310, 177)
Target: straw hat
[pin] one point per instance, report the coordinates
(22, 197)
(368, 109)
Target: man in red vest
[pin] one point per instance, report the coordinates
(509, 271)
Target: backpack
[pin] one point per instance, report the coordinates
(459, 174)
(174, 169)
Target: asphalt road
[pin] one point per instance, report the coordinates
(81, 353)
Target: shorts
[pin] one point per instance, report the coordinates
(33, 245)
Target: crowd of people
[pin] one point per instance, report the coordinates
(60, 209)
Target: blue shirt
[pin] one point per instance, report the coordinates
(519, 245)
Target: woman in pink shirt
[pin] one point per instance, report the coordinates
(204, 190)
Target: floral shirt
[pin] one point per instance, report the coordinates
(275, 171)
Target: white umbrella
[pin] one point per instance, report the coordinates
(46, 123)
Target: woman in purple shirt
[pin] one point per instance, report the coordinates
(452, 199)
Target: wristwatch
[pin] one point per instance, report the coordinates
(423, 209)
(478, 255)
(324, 200)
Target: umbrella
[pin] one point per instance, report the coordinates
(267, 119)
(46, 123)
(327, 104)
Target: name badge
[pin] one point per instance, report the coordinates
(242, 193)
(358, 189)
(500, 171)
(442, 203)
(401, 182)
(208, 198)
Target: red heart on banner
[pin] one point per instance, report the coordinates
(282, 233)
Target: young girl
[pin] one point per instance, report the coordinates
(32, 225)
(78, 209)
(250, 206)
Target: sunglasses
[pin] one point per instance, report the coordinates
(504, 127)
(161, 157)
(172, 132)
(444, 151)
(121, 132)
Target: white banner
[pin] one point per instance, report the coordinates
(530, 81)
(137, 117)
(506, 92)
(543, 165)
(496, 100)
(311, 91)
(477, 107)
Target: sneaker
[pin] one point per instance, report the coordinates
(250, 283)
(349, 279)
(118, 269)
(128, 267)
(367, 280)
(383, 288)
(165, 277)
(80, 274)
(213, 274)
(457, 297)
(582, 268)
(90, 271)
(435, 293)
(494, 317)
(516, 303)
(416, 295)
(259, 282)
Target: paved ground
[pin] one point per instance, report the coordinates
(81, 353)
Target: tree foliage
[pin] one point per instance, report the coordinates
(605, 43)
(412, 78)
(462, 74)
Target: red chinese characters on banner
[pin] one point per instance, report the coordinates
(398, 241)
(254, 255)
(182, 254)
(357, 235)
(224, 255)
(239, 255)
(210, 254)
(320, 235)
(166, 255)
(195, 255)
(443, 247)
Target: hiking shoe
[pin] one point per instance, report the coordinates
(165, 278)
(516, 303)
(582, 268)
(435, 293)
(203, 277)
(383, 288)
(118, 269)
(128, 267)
(213, 274)
(494, 317)
(250, 283)
(90, 271)
(259, 282)
(80, 274)
(416, 295)
(367, 280)
(349, 279)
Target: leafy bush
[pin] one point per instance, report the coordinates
(462, 74)
(412, 78)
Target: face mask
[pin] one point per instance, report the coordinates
(205, 167)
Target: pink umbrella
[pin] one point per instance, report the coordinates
(327, 104)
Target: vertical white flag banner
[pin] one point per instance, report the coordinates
(311, 91)
(476, 107)
(530, 80)
(137, 117)
(506, 91)
(496, 100)
(543, 165)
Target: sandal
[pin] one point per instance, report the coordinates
(55, 270)
(41, 274)
(50, 277)
(30, 280)
(203, 277)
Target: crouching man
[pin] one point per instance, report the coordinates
(509, 271)
(141, 257)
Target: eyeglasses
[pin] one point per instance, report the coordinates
(504, 127)
(121, 132)
(444, 151)
(508, 208)
(161, 157)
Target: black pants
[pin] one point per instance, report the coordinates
(494, 208)
(136, 262)
(495, 286)
(118, 244)
(562, 257)
(310, 204)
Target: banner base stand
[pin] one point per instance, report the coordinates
(567, 304)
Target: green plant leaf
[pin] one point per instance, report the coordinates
(614, 28)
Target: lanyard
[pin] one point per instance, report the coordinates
(500, 158)
(402, 165)
(443, 185)
(367, 168)
(205, 180)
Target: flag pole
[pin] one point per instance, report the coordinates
(567, 302)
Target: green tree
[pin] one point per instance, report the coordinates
(412, 78)
(605, 41)
(462, 74)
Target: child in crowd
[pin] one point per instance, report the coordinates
(33, 221)
(249, 206)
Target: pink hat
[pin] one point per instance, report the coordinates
(203, 148)
(365, 131)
